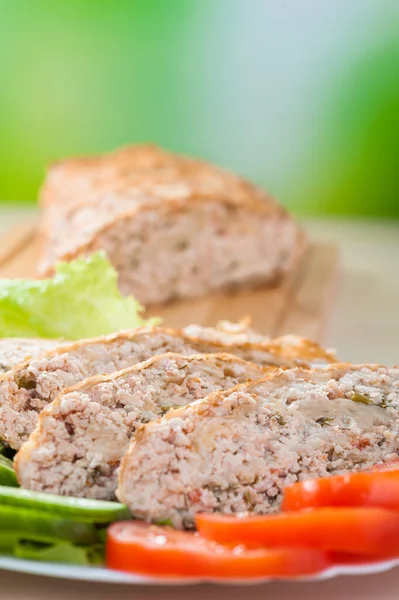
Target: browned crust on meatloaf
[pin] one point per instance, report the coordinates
(295, 350)
(157, 174)
(95, 379)
(295, 347)
(145, 178)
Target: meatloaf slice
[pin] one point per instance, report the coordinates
(227, 332)
(29, 387)
(172, 226)
(81, 436)
(16, 350)
(234, 451)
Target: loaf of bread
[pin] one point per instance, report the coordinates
(172, 226)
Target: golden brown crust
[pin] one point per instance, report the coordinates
(295, 348)
(224, 356)
(151, 174)
(298, 347)
(63, 348)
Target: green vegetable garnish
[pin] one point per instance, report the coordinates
(81, 300)
(248, 499)
(280, 419)
(384, 401)
(82, 509)
(96, 554)
(7, 541)
(19, 545)
(360, 398)
(42, 526)
(58, 553)
(38, 526)
(7, 452)
(164, 408)
(164, 523)
(324, 421)
(7, 473)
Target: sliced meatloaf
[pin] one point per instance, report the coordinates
(234, 451)
(15, 350)
(227, 332)
(172, 226)
(81, 436)
(29, 387)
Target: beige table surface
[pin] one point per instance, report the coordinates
(364, 327)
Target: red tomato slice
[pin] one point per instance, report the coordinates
(379, 489)
(355, 530)
(342, 558)
(163, 552)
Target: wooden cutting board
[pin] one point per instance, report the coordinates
(299, 305)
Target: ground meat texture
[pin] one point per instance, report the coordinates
(16, 350)
(28, 388)
(164, 253)
(234, 451)
(172, 226)
(227, 332)
(81, 436)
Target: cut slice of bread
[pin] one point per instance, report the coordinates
(81, 436)
(172, 226)
(29, 387)
(234, 451)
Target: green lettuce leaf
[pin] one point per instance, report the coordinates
(57, 553)
(7, 473)
(82, 300)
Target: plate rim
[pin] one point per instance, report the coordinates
(104, 575)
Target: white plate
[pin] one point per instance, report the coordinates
(108, 576)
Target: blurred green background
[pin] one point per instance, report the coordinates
(300, 95)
